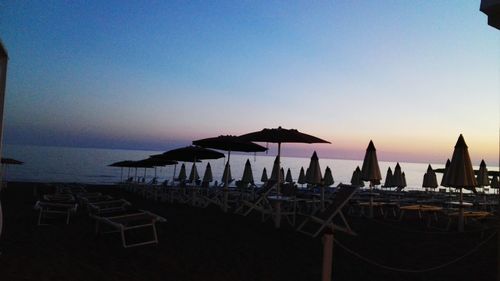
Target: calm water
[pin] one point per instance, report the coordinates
(89, 165)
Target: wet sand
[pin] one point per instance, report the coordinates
(207, 244)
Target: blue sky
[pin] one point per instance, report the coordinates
(411, 75)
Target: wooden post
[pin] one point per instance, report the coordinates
(327, 256)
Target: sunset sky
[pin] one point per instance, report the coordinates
(410, 75)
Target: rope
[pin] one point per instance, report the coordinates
(406, 270)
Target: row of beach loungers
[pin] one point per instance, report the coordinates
(109, 214)
(433, 208)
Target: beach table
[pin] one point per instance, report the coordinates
(478, 216)
(420, 210)
(283, 206)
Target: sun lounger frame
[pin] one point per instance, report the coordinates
(54, 208)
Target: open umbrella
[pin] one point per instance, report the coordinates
(370, 171)
(356, 179)
(279, 136)
(482, 175)
(460, 174)
(122, 164)
(247, 177)
(302, 177)
(207, 176)
(264, 177)
(388, 179)
(328, 178)
(288, 177)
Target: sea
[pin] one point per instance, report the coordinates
(91, 165)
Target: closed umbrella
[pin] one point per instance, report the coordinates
(274, 172)
(460, 174)
(302, 177)
(314, 177)
(264, 177)
(397, 177)
(404, 180)
(388, 179)
(207, 176)
(356, 179)
(482, 176)
(182, 173)
(288, 177)
(247, 177)
(193, 175)
(494, 183)
(370, 171)
(226, 175)
(328, 178)
(430, 180)
(444, 179)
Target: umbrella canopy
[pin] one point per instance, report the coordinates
(158, 162)
(356, 179)
(126, 163)
(226, 175)
(444, 179)
(430, 180)
(280, 135)
(207, 176)
(10, 161)
(302, 176)
(288, 177)
(460, 173)
(494, 182)
(229, 143)
(182, 173)
(388, 178)
(397, 178)
(314, 176)
(328, 179)
(193, 176)
(264, 177)
(370, 170)
(482, 176)
(190, 154)
(247, 173)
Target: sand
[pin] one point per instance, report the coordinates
(207, 244)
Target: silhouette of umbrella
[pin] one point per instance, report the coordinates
(207, 176)
(182, 173)
(264, 177)
(123, 164)
(494, 182)
(430, 180)
(279, 136)
(314, 177)
(356, 178)
(460, 174)
(397, 177)
(193, 175)
(388, 179)
(444, 179)
(226, 175)
(328, 178)
(302, 177)
(288, 177)
(247, 173)
(404, 180)
(482, 175)
(274, 172)
(370, 170)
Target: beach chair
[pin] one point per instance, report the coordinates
(47, 208)
(262, 204)
(129, 221)
(103, 207)
(325, 218)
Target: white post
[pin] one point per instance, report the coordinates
(327, 256)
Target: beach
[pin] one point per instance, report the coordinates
(207, 244)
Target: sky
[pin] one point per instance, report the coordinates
(409, 75)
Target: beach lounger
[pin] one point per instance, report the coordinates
(128, 221)
(262, 203)
(103, 207)
(325, 218)
(54, 208)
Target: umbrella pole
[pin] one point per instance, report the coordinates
(370, 211)
(461, 214)
(226, 183)
(277, 221)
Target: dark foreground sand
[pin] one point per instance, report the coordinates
(206, 244)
